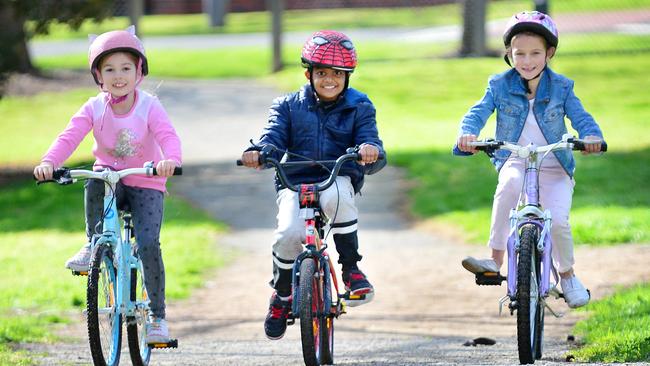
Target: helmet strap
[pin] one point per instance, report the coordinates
(527, 81)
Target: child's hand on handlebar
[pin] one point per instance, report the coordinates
(251, 159)
(369, 154)
(165, 168)
(592, 145)
(463, 143)
(44, 171)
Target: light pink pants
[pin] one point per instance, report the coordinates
(555, 192)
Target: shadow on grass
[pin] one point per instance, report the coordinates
(446, 183)
(27, 206)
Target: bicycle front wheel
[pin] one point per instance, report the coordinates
(104, 320)
(310, 306)
(135, 326)
(327, 320)
(530, 312)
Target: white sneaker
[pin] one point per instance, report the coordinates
(80, 261)
(157, 331)
(575, 293)
(477, 266)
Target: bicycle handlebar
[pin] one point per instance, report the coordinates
(489, 146)
(350, 155)
(66, 175)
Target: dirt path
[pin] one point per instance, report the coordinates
(426, 305)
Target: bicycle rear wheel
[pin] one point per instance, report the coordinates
(310, 296)
(104, 321)
(530, 310)
(135, 326)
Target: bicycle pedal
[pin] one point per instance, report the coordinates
(80, 273)
(348, 296)
(173, 343)
(490, 279)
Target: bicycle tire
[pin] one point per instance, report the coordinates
(309, 295)
(327, 322)
(136, 326)
(528, 332)
(104, 328)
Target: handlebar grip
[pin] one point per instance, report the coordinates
(239, 162)
(580, 145)
(177, 171)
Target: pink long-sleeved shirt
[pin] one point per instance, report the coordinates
(144, 134)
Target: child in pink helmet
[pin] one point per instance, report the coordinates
(532, 102)
(130, 127)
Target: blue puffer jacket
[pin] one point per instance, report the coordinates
(297, 123)
(554, 100)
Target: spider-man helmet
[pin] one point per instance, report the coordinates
(531, 21)
(329, 49)
(115, 41)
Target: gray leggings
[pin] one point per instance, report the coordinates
(146, 206)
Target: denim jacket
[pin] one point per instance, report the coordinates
(553, 101)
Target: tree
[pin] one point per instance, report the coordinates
(473, 44)
(15, 32)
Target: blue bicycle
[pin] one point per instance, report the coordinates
(115, 292)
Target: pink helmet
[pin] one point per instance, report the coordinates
(329, 49)
(114, 41)
(531, 21)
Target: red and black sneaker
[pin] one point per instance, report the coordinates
(275, 324)
(359, 289)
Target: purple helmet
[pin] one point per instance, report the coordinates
(531, 21)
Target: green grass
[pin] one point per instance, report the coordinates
(32, 123)
(618, 329)
(40, 227)
(311, 20)
(227, 63)
(428, 96)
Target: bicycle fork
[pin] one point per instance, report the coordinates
(531, 214)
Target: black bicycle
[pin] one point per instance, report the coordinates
(317, 299)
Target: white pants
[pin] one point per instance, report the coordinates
(290, 233)
(555, 193)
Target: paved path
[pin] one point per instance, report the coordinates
(426, 305)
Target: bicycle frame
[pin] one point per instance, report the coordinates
(531, 213)
(111, 236)
(315, 247)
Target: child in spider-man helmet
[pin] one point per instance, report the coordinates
(320, 122)
(130, 128)
(531, 102)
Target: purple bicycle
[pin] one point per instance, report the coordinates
(529, 248)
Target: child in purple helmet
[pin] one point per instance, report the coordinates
(531, 103)
(130, 127)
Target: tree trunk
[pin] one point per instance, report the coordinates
(473, 44)
(277, 8)
(14, 55)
